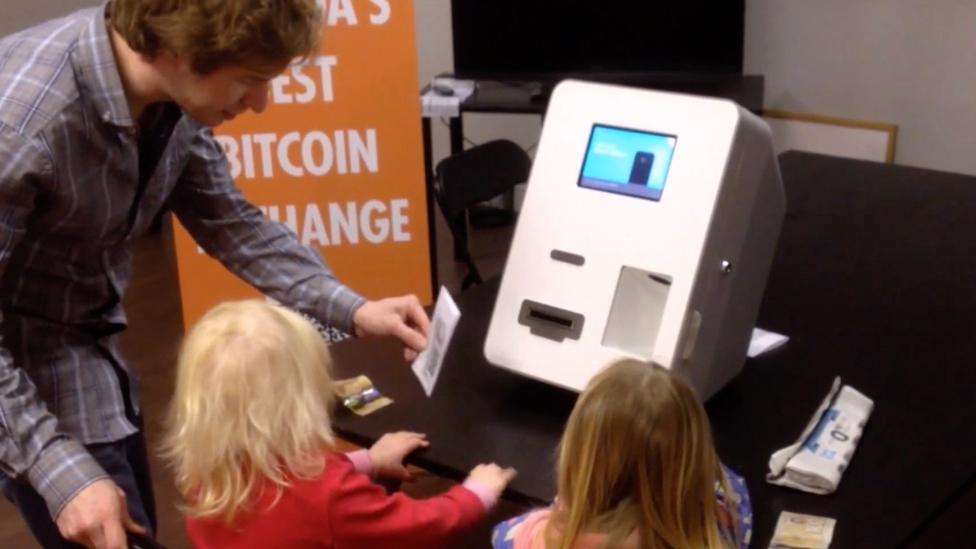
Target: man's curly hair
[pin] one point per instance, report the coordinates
(213, 34)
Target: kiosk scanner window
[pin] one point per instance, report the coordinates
(630, 162)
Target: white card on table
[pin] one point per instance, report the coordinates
(763, 341)
(428, 364)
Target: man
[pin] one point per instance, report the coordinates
(104, 122)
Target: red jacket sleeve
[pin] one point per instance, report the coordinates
(363, 516)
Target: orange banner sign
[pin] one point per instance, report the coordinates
(337, 156)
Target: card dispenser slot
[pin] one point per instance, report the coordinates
(550, 322)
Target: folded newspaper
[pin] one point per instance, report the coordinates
(818, 459)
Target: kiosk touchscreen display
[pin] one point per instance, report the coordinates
(625, 161)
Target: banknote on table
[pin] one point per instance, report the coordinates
(359, 395)
(799, 531)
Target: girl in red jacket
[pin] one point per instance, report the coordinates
(249, 439)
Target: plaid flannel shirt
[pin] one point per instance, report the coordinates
(68, 206)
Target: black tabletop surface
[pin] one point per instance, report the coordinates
(477, 413)
(874, 280)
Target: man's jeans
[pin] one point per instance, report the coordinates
(125, 461)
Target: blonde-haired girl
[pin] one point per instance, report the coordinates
(637, 469)
(249, 438)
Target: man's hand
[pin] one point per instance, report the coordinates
(402, 317)
(388, 452)
(97, 517)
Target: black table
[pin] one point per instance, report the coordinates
(874, 280)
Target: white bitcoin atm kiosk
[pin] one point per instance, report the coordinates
(648, 228)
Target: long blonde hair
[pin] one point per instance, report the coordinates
(637, 457)
(252, 404)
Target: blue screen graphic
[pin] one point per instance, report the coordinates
(629, 162)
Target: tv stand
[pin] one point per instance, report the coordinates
(532, 96)
(540, 94)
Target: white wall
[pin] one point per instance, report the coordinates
(907, 62)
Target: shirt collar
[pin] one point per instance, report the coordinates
(98, 72)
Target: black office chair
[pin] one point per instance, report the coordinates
(473, 176)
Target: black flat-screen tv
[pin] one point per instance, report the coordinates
(547, 40)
